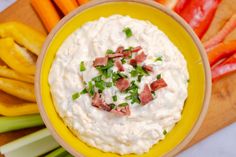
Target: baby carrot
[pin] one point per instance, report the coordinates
(66, 6)
(46, 12)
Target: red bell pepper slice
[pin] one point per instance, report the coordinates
(199, 14)
(180, 5)
(222, 70)
(221, 51)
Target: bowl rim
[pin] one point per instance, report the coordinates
(167, 11)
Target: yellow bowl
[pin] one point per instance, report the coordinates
(179, 33)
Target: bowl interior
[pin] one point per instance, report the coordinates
(165, 22)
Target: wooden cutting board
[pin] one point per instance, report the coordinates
(222, 109)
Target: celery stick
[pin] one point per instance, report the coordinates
(32, 145)
(60, 152)
(19, 122)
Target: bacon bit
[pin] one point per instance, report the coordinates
(127, 53)
(158, 84)
(133, 62)
(119, 65)
(136, 49)
(115, 55)
(146, 95)
(148, 68)
(99, 103)
(140, 57)
(122, 84)
(121, 111)
(100, 61)
(120, 49)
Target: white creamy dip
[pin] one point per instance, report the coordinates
(146, 124)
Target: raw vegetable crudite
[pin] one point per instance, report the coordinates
(66, 6)
(24, 35)
(16, 56)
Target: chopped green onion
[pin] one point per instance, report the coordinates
(123, 61)
(108, 84)
(188, 80)
(113, 106)
(19, 122)
(158, 76)
(158, 59)
(128, 32)
(35, 144)
(140, 78)
(82, 66)
(164, 132)
(123, 104)
(91, 88)
(134, 73)
(100, 85)
(153, 93)
(75, 96)
(84, 91)
(109, 51)
(97, 78)
(114, 98)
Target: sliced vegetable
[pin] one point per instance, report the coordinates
(46, 12)
(82, 66)
(16, 57)
(82, 1)
(59, 152)
(18, 109)
(19, 122)
(221, 35)
(231, 59)
(75, 96)
(222, 70)
(66, 6)
(221, 51)
(180, 5)
(35, 144)
(9, 73)
(199, 14)
(17, 88)
(168, 3)
(24, 35)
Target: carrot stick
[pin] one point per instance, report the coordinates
(229, 26)
(66, 6)
(46, 12)
(221, 51)
(82, 1)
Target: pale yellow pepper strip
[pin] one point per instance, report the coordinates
(24, 35)
(16, 57)
(9, 73)
(18, 109)
(17, 88)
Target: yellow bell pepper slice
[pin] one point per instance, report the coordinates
(17, 88)
(18, 109)
(9, 73)
(16, 57)
(24, 35)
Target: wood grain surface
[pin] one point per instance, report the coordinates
(222, 109)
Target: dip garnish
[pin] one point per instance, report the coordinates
(128, 32)
(164, 132)
(126, 81)
(75, 96)
(82, 66)
(158, 59)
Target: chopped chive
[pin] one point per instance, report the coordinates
(91, 88)
(123, 61)
(108, 84)
(123, 104)
(114, 98)
(158, 76)
(153, 93)
(134, 73)
(109, 51)
(100, 85)
(82, 66)
(140, 78)
(75, 96)
(97, 78)
(113, 106)
(164, 132)
(128, 32)
(158, 59)
(84, 91)
(188, 80)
